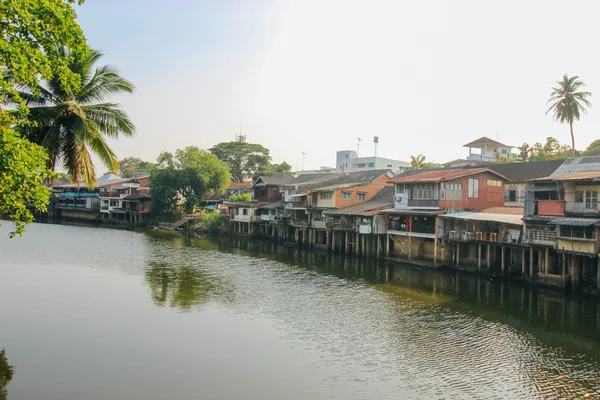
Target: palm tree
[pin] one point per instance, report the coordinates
(72, 122)
(417, 162)
(567, 103)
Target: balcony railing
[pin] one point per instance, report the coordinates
(423, 203)
(300, 204)
(302, 223)
(319, 224)
(465, 236)
(114, 194)
(343, 225)
(539, 236)
(580, 208)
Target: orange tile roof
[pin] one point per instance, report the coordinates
(239, 185)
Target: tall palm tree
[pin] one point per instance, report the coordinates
(418, 161)
(567, 103)
(70, 123)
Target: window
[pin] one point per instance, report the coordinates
(371, 165)
(244, 211)
(362, 196)
(361, 165)
(510, 195)
(389, 166)
(326, 195)
(453, 191)
(473, 191)
(114, 203)
(427, 191)
(591, 200)
(346, 195)
(260, 192)
(504, 151)
(579, 196)
(494, 183)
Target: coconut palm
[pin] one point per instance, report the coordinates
(73, 122)
(567, 103)
(418, 161)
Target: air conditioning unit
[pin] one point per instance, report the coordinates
(398, 198)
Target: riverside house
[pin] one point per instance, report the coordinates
(413, 227)
(561, 225)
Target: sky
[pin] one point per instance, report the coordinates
(313, 76)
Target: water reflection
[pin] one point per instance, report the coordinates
(183, 287)
(6, 374)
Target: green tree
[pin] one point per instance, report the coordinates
(567, 103)
(279, 168)
(418, 161)
(244, 159)
(186, 178)
(128, 166)
(6, 373)
(31, 32)
(551, 150)
(70, 122)
(240, 198)
(593, 149)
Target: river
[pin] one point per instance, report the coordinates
(94, 313)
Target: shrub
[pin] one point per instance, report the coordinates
(240, 198)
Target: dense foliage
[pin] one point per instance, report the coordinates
(244, 159)
(551, 150)
(567, 103)
(70, 122)
(593, 149)
(6, 373)
(240, 198)
(32, 32)
(183, 180)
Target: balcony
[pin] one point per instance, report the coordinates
(551, 207)
(117, 195)
(584, 209)
(245, 218)
(544, 237)
(424, 203)
(300, 223)
(491, 237)
(343, 225)
(300, 204)
(319, 224)
(365, 229)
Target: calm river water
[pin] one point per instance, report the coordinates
(91, 313)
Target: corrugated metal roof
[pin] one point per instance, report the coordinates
(411, 211)
(574, 176)
(437, 175)
(503, 210)
(575, 221)
(383, 199)
(491, 217)
(272, 206)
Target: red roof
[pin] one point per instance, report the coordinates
(440, 176)
(239, 185)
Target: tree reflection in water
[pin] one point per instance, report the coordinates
(6, 374)
(181, 287)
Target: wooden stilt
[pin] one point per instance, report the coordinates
(547, 262)
(409, 246)
(457, 254)
(523, 263)
(531, 265)
(479, 257)
(502, 259)
(489, 253)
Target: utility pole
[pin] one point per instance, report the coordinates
(303, 154)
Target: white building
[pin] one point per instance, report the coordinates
(488, 150)
(348, 160)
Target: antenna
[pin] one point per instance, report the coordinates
(497, 132)
(240, 137)
(375, 141)
(303, 154)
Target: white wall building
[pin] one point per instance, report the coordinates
(348, 160)
(488, 150)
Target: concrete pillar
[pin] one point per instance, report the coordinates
(387, 245)
(457, 254)
(296, 235)
(563, 264)
(547, 262)
(327, 238)
(435, 242)
(531, 266)
(598, 276)
(333, 244)
(523, 262)
(357, 244)
(488, 255)
(502, 259)
(346, 235)
(479, 257)
(573, 272)
(377, 251)
(540, 263)
(409, 246)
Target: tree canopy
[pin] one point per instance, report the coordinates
(244, 159)
(551, 150)
(32, 32)
(128, 166)
(593, 149)
(567, 103)
(70, 122)
(185, 179)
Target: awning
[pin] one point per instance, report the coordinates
(412, 212)
(298, 195)
(490, 217)
(575, 221)
(543, 187)
(272, 206)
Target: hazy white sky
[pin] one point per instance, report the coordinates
(311, 76)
